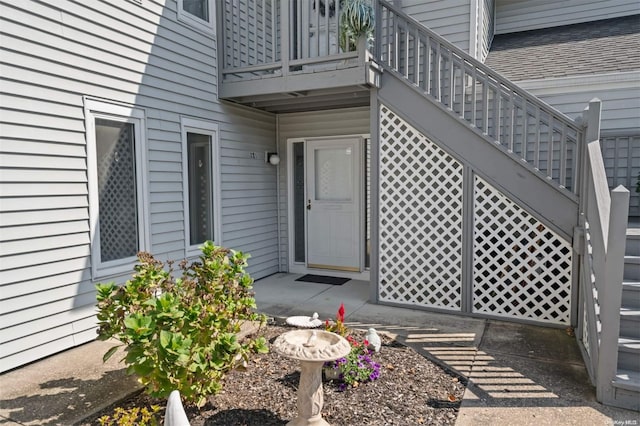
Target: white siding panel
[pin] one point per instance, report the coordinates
(54, 53)
(9, 219)
(349, 121)
(524, 15)
(44, 230)
(43, 284)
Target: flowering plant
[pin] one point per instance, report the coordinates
(357, 367)
(338, 326)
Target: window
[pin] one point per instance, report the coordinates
(115, 160)
(200, 177)
(197, 13)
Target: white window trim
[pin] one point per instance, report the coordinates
(203, 127)
(94, 108)
(208, 27)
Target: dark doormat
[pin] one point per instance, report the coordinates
(322, 279)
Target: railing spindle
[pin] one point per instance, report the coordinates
(563, 157)
(513, 118)
(416, 58)
(496, 113)
(474, 96)
(427, 62)
(550, 148)
(451, 82)
(536, 148)
(436, 77)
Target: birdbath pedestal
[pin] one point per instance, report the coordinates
(312, 348)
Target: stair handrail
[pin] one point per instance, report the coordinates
(557, 123)
(603, 219)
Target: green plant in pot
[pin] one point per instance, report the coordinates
(356, 20)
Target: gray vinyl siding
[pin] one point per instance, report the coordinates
(620, 107)
(451, 18)
(348, 121)
(524, 15)
(54, 54)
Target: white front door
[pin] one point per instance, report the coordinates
(334, 191)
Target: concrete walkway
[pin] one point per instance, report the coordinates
(518, 374)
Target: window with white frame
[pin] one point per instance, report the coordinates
(116, 176)
(197, 13)
(201, 183)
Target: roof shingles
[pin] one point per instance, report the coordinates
(591, 48)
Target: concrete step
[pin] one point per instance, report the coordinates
(629, 354)
(631, 294)
(627, 390)
(632, 268)
(630, 323)
(633, 241)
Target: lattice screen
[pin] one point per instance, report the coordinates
(420, 218)
(520, 267)
(118, 216)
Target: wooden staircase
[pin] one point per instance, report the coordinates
(627, 382)
(525, 134)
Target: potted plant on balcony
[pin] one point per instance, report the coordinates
(356, 20)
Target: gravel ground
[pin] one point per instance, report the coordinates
(411, 390)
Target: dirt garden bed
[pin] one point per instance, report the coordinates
(411, 390)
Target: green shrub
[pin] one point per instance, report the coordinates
(180, 333)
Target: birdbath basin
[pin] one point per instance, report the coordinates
(312, 348)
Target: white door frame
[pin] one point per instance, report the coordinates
(301, 268)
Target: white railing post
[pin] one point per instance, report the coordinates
(285, 35)
(591, 118)
(611, 297)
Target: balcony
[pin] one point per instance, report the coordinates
(286, 56)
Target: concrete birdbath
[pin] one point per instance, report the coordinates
(312, 348)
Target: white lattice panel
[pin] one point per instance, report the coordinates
(420, 218)
(521, 268)
(117, 191)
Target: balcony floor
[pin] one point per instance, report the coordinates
(308, 89)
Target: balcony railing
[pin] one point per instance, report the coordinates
(270, 38)
(263, 38)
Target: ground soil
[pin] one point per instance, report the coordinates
(411, 390)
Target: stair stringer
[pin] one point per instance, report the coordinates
(553, 205)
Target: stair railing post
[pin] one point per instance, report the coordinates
(591, 118)
(611, 298)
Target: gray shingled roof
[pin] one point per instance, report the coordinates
(591, 48)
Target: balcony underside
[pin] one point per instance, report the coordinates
(307, 89)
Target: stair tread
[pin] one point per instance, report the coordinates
(630, 344)
(631, 285)
(627, 379)
(633, 233)
(630, 313)
(631, 259)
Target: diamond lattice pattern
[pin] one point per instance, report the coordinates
(520, 267)
(420, 218)
(117, 190)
